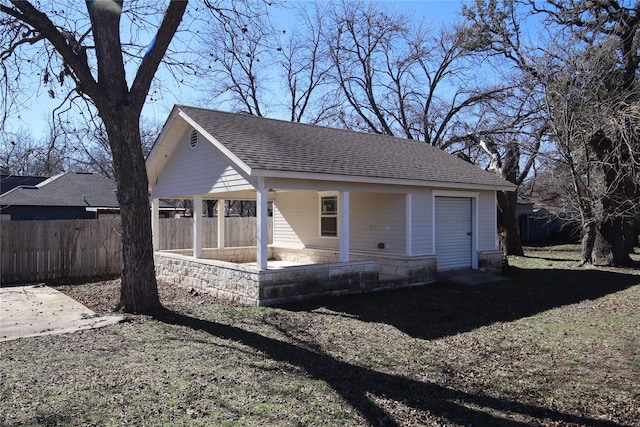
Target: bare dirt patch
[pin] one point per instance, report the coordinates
(553, 345)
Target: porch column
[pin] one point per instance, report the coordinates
(409, 225)
(221, 215)
(343, 221)
(261, 218)
(197, 226)
(155, 223)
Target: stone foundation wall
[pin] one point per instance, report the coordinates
(307, 281)
(304, 255)
(248, 286)
(232, 282)
(322, 275)
(490, 261)
(414, 269)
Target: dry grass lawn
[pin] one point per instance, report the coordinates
(553, 345)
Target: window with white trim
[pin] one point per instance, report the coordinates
(329, 216)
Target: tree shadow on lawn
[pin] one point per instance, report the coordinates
(442, 309)
(355, 384)
(551, 259)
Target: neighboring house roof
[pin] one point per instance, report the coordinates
(268, 147)
(67, 189)
(169, 206)
(547, 205)
(9, 182)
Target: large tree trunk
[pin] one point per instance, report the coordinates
(610, 248)
(120, 107)
(507, 201)
(211, 207)
(139, 289)
(511, 242)
(630, 237)
(588, 242)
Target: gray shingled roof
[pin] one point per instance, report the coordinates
(275, 145)
(9, 182)
(67, 189)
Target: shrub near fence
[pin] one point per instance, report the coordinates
(34, 251)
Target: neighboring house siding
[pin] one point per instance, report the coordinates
(378, 218)
(199, 170)
(25, 213)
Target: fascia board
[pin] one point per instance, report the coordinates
(163, 133)
(371, 180)
(163, 146)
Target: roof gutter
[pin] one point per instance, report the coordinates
(506, 186)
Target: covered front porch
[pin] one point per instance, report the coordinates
(291, 274)
(267, 273)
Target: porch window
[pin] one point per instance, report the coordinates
(329, 216)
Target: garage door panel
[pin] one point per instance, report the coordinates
(453, 232)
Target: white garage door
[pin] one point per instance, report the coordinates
(453, 232)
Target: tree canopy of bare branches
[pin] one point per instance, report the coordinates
(79, 46)
(585, 64)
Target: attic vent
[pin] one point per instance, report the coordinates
(193, 140)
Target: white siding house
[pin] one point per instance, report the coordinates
(351, 211)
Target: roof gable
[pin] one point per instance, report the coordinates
(268, 147)
(187, 166)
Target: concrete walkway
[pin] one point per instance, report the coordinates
(33, 310)
(468, 277)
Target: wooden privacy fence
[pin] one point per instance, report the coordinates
(177, 233)
(43, 250)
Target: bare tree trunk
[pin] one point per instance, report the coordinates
(507, 201)
(610, 248)
(588, 242)
(630, 237)
(211, 207)
(105, 82)
(139, 289)
(507, 168)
